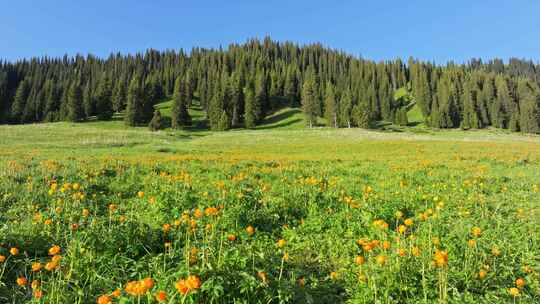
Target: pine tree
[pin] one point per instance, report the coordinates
(330, 106)
(75, 106)
(361, 115)
(19, 103)
(345, 109)
(251, 108)
(89, 102)
(134, 103)
(291, 87)
(309, 101)
(179, 115)
(224, 122)
(4, 98)
(261, 94)
(215, 110)
(422, 93)
(529, 106)
(119, 96)
(470, 117)
(157, 122)
(104, 106)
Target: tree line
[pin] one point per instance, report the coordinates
(240, 85)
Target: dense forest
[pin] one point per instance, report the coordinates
(239, 85)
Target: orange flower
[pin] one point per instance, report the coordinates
(54, 250)
(38, 294)
(182, 287)
(262, 276)
(14, 251)
(104, 299)
(359, 260)
(116, 293)
(50, 266)
(211, 211)
(193, 282)
(166, 227)
(250, 230)
(198, 213)
(36, 267)
(471, 243)
(520, 283)
(386, 245)
(231, 237)
(161, 296)
(2, 258)
(22, 281)
(35, 284)
(482, 274)
(56, 259)
(441, 258)
(408, 222)
(149, 283)
(333, 275)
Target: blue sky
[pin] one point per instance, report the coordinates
(431, 30)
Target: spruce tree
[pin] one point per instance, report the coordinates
(470, 117)
(132, 115)
(330, 106)
(251, 108)
(89, 102)
(119, 96)
(179, 114)
(19, 103)
(309, 101)
(361, 115)
(75, 106)
(529, 99)
(345, 109)
(261, 94)
(104, 106)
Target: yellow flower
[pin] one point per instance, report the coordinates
(250, 230)
(514, 292)
(14, 251)
(476, 231)
(140, 194)
(381, 260)
(408, 222)
(281, 243)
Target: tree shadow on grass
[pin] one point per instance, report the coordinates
(280, 120)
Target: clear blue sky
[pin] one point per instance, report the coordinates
(431, 30)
